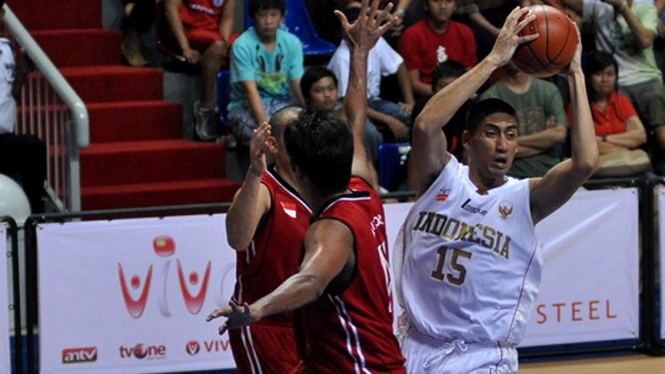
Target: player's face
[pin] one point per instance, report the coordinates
(323, 94)
(604, 81)
(493, 146)
(267, 21)
(440, 11)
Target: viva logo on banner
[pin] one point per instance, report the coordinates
(135, 295)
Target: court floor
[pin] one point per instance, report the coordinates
(632, 364)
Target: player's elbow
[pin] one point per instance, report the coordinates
(586, 166)
(238, 244)
(314, 285)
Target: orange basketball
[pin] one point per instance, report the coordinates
(555, 46)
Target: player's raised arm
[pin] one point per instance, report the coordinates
(429, 154)
(361, 36)
(252, 201)
(328, 247)
(560, 183)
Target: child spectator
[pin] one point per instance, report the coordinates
(383, 61)
(266, 67)
(619, 131)
(319, 88)
(434, 40)
(202, 29)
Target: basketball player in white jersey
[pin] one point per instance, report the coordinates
(468, 262)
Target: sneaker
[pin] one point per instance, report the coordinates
(205, 122)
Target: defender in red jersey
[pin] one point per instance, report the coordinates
(343, 285)
(266, 225)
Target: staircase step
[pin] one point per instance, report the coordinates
(96, 84)
(63, 14)
(92, 46)
(134, 120)
(150, 161)
(159, 194)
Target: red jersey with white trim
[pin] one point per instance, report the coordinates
(201, 14)
(351, 332)
(276, 251)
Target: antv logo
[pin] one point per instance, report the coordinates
(79, 355)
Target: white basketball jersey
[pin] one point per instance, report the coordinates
(470, 266)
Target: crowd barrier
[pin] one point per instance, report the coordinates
(122, 294)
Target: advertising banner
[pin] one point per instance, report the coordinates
(590, 285)
(131, 296)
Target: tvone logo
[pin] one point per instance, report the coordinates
(141, 351)
(163, 246)
(79, 355)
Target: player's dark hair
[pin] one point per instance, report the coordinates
(321, 146)
(351, 13)
(281, 118)
(2, 3)
(255, 6)
(598, 61)
(483, 108)
(447, 69)
(312, 75)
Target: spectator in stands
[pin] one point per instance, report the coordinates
(266, 67)
(657, 119)
(319, 88)
(22, 157)
(541, 120)
(139, 17)
(202, 29)
(626, 29)
(619, 130)
(383, 61)
(434, 40)
(485, 18)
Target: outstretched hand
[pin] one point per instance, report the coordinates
(236, 315)
(258, 148)
(371, 24)
(509, 39)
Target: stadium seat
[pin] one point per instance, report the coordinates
(391, 157)
(223, 95)
(297, 22)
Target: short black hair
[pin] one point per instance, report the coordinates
(483, 108)
(2, 3)
(351, 13)
(595, 62)
(447, 69)
(312, 75)
(256, 5)
(320, 145)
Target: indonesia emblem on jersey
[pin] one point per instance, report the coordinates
(289, 209)
(443, 194)
(505, 210)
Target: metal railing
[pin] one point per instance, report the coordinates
(51, 110)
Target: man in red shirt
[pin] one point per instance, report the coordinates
(343, 284)
(266, 225)
(434, 40)
(202, 31)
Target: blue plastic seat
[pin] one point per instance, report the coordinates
(223, 95)
(391, 157)
(297, 22)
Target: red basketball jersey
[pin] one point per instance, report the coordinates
(352, 332)
(201, 14)
(276, 250)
